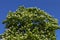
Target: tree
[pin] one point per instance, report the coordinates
(30, 24)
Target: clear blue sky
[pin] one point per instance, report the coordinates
(50, 6)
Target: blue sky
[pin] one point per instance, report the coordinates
(50, 6)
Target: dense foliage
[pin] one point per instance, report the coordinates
(30, 24)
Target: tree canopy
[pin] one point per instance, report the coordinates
(30, 24)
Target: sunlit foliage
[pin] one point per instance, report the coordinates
(30, 24)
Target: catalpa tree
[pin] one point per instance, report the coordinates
(29, 24)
